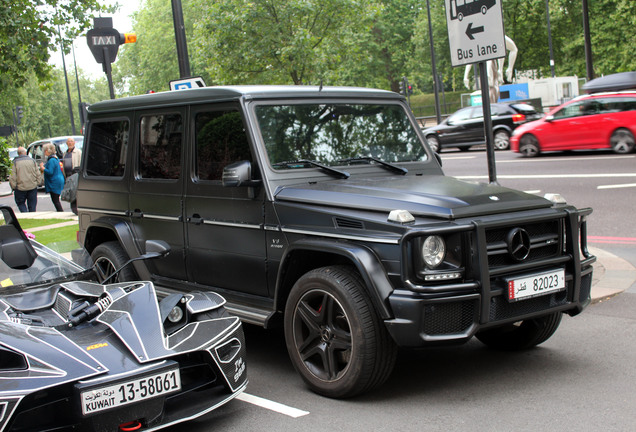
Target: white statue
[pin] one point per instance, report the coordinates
(495, 71)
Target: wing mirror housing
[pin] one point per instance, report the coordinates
(239, 174)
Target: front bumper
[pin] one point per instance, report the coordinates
(453, 313)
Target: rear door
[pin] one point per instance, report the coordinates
(155, 201)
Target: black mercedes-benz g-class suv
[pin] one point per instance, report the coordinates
(323, 210)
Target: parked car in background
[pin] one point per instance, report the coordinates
(465, 128)
(35, 148)
(595, 121)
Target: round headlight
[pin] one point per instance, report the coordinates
(433, 251)
(175, 314)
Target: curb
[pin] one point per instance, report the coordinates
(612, 275)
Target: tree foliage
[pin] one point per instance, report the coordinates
(27, 27)
(284, 41)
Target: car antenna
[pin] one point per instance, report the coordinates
(320, 88)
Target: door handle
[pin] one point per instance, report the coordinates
(136, 213)
(195, 219)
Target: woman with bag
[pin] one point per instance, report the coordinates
(53, 176)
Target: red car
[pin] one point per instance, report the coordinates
(595, 121)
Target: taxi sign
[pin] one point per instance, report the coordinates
(475, 31)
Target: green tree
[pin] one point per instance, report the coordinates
(276, 41)
(26, 29)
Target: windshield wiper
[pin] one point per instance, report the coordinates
(398, 169)
(290, 164)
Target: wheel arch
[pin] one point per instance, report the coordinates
(308, 254)
(107, 229)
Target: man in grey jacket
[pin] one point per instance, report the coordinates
(24, 180)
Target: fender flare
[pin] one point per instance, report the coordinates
(364, 260)
(124, 236)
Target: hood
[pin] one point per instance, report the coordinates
(432, 195)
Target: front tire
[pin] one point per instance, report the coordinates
(109, 257)
(433, 143)
(529, 146)
(521, 335)
(502, 140)
(335, 338)
(622, 141)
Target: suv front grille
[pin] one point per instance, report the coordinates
(545, 242)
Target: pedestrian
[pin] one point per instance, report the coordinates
(71, 162)
(24, 179)
(53, 176)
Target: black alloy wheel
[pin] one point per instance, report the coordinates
(335, 339)
(109, 257)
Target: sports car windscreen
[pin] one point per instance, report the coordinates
(333, 134)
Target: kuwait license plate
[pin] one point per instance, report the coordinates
(534, 285)
(110, 396)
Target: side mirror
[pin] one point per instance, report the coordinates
(549, 118)
(239, 174)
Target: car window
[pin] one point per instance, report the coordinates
(524, 108)
(575, 109)
(461, 115)
(108, 148)
(611, 105)
(220, 140)
(160, 143)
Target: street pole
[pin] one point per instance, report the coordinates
(79, 93)
(485, 103)
(68, 90)
(547, 14)
(180, 36)
(588, 44)
(435, 83)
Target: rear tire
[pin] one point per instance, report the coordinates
(622, 141)
(529, 146)
(521, 335)
(335, 338)
(107, 258)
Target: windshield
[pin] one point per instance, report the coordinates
(47, 266)
(333, 134)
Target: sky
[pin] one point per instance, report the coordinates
(85, 60)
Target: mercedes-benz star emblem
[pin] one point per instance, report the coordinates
(518, 241)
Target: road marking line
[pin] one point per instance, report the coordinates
(612, 240)
(628, 185)
(552, 176)
(271, 405)
(524, 160)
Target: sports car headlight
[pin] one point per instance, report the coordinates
(175, 314)
(433, 251)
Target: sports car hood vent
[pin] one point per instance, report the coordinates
(434, 196)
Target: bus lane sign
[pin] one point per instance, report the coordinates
(475, 30)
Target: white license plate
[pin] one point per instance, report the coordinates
(535, 285)
(115, 395)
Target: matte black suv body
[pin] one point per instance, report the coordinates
(322, 209)
(465, 128)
